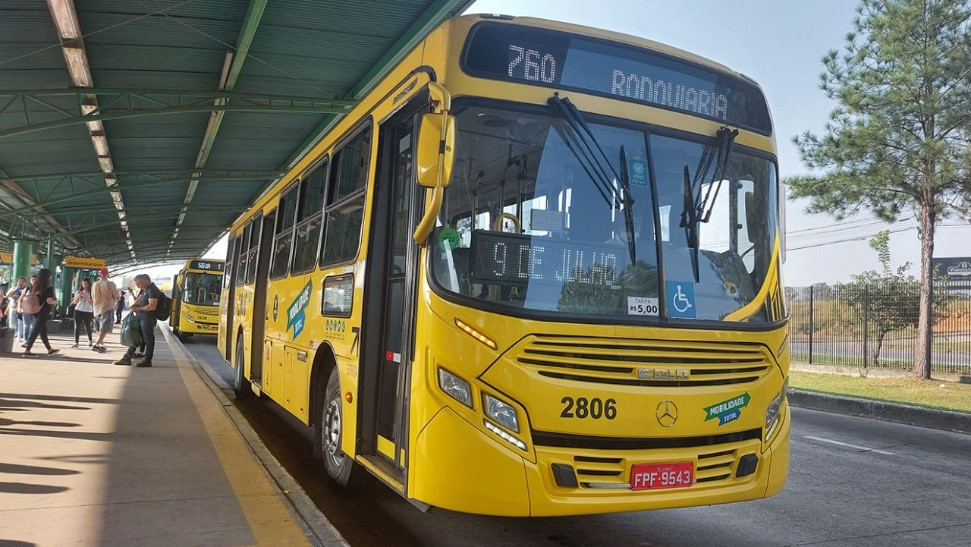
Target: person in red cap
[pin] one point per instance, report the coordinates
(105, 294)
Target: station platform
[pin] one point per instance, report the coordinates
(94, 453)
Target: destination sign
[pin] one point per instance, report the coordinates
(208, 265)
(559, 59)
(519, 259)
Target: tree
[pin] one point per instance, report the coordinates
(897, 143)
(888, 299)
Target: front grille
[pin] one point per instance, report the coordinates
(712, 466)
(635, 362)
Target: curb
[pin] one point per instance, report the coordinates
(320, 531)
(905, 414)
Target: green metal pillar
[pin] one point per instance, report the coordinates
(23, 251)
(67, 289)
(50, 261)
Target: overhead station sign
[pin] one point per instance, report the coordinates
(83, 262)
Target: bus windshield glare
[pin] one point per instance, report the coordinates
(202, 289)
(536, 220)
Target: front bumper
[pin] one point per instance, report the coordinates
(456, 466)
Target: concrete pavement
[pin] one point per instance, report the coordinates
(92, 453)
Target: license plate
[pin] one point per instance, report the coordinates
(656, 476)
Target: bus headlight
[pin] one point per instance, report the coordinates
(455, 387)
(772, 413)
(502, 413)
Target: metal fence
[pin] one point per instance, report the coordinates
(875, 326)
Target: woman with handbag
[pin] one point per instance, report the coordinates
(38, 302)
(83, 312)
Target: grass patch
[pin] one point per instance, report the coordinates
(928, 393)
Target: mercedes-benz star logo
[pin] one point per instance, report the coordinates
(667, 413)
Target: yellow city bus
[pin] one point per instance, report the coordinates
(536, 271)
(195, 297)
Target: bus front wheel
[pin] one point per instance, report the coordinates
(240, 385)
(330, 431)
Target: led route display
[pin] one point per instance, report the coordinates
(552, 58)
(515, 259)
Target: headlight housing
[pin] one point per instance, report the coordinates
(772, 412)
(455, 387)
(502, 413)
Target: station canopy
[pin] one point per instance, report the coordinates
(138, 130)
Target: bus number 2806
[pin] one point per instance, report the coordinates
(582, 408)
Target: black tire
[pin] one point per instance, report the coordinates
(241, 385)
(330, 432)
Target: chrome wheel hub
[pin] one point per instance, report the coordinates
(332, 432)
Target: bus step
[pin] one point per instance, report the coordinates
(256, 387)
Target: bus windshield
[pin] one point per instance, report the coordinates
(536, 219)
(202, 289)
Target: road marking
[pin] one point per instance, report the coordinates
(862, 448)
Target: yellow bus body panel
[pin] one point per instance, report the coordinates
(452, 460)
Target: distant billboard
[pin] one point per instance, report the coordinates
(955, 268)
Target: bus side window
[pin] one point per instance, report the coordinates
(309, 220)
(252, 255)
(243, 255)
(230, 262)
(283, 232)
(345, 199)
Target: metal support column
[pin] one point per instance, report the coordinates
(23, 251)
(49, 258)
(67, 289)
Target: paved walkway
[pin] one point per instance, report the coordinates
(92, 453)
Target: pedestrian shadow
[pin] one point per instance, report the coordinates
(5, 421)
(79, 458)
(92, 360)
(12, 469)
(25, 403)
(68, 398)
(79, 435)
(24, 488)
(15, 543)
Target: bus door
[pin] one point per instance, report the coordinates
(259, 298)
(390, 299)
(229, 299)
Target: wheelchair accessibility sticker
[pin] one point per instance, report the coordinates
(681, 299)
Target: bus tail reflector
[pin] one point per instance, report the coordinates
(475, 334)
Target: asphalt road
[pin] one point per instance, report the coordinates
(852, 481)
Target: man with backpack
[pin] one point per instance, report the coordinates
(144, 308)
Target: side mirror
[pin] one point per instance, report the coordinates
(435, 154)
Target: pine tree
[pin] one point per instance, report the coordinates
(897, 143)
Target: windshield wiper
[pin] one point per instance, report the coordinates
(593, 160)
(696, 208)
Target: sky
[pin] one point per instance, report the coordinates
(778, 43)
